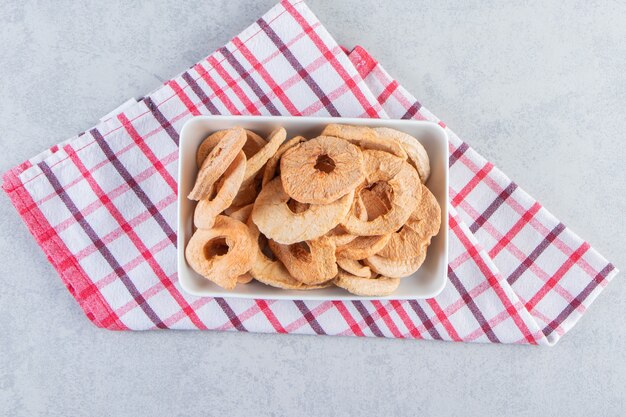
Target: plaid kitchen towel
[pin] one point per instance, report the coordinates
(102, 206)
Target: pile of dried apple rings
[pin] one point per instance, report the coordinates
(347, 208)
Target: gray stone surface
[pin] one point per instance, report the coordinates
(538, 88)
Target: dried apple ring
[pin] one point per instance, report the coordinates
(252, 145)
(278, 222)
(426, 219)
(365, 137)
(404, 197)
(245, 278)
(406, 250)
(363, 246)
(297, 207)
(321, 170)
(414, 149)
(226, 190)
(381, 166)
(373, 197)
(340, 235)
(239, 213)
(349, 132)
(207, 146)
(271, 167)
(254, 169)
(375, 200)
(223, 253)
(272, 271)
(354, 267)
(218, 160)
(398, 268)
(421, 226)
(367, 287)
(247, 192)
(311, 262)
(257, 162)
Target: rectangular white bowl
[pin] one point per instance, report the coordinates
(427, 282)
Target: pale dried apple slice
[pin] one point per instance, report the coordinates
(397, 268)
(354, 267)
(363, 246)
(258, 161)
(367, 287)
(415, 151)
(375, 200)
(248, 192)
(406, 250)
(223, 253)
(239, 213)
(252, 145)
(422, 225)
(255, 167)
(311, 262)
(273, 164)
(278, 222)
(365, 137)
(380, 165)
(226, 188)
(207, 146)
(426, 219)
(245, 278)
(217, 161)
(272, 271)
(340, 235)
(321, 170)
(404, 197)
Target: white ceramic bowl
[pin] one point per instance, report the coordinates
(427, 282)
